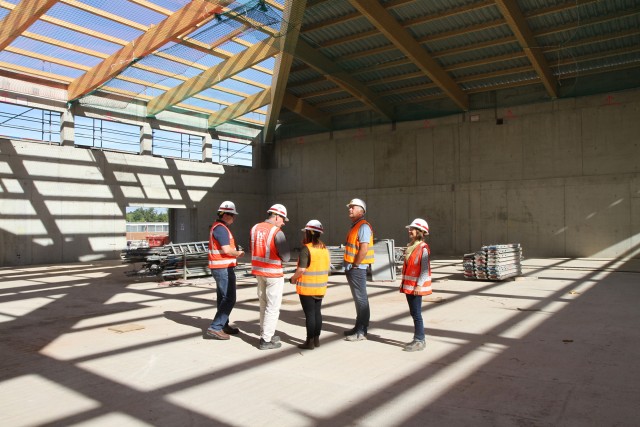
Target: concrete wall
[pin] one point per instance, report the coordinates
(65, 204)
(562, 178)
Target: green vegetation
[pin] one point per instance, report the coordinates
(147, 215)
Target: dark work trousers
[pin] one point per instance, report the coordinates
(312, 308)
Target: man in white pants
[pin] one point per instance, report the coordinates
(269, 249)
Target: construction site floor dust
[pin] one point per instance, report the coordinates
(84, 344)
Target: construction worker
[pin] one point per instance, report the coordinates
(358, 255)
(311, 277)
(416, 278)
(269, 249)
(223, 255)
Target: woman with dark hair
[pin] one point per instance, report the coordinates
(416, 279)
(311, 277)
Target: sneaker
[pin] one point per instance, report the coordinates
(230, 330)
(217, 335)
(415, 346)
(349, 332)
(269, 345)
(275, 338)
(359, 336)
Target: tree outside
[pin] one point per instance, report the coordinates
(147, 215)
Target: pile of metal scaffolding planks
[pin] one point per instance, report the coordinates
(174, 261)
(493, 262)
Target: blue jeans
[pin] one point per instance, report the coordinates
(226, 296)
(357, 279)
(415, 308)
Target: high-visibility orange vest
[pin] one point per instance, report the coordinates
(217, 258)
(314, 280)
(411, 272)
(265, 260)
(351, 248)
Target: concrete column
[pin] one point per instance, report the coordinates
(146, 139)
(206, 148)
(67, 133)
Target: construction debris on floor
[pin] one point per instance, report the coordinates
(173, 261)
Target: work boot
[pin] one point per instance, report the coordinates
(415, 345)
(217, 335)
(274, 338)
(316, 341)
(308, 344)
(230, 330)
(269, 345)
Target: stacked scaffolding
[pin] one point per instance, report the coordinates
(174, 261)
(336, 256)
(184, 260)
(493, 262)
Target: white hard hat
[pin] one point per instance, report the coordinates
(228, 207)
(420, 224)
(358, 202)
(279, 209)
(314, 225)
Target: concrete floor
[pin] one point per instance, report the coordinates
(558, 347)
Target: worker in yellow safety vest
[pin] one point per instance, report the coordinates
(311, 278)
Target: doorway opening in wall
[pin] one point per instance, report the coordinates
(147, 227)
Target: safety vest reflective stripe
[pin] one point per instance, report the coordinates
(265, 260)
(422, 290)
(313, 281)
(316, 273)
(219, 263)
(411, 272)
(266, 271)
(352, 244)
(217, 258)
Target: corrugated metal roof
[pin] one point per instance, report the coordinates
(468, 41)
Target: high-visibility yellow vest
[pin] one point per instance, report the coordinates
(265, 260)
(351, 248)
(314, 280)
(412, 269)
(217, 258)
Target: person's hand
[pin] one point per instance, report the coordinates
(291, 280)
(240, 253)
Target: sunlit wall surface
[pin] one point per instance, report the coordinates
(65, 204)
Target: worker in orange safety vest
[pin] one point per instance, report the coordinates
(416, 279)
(269, 249)
(223, 255)
(358, 255)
